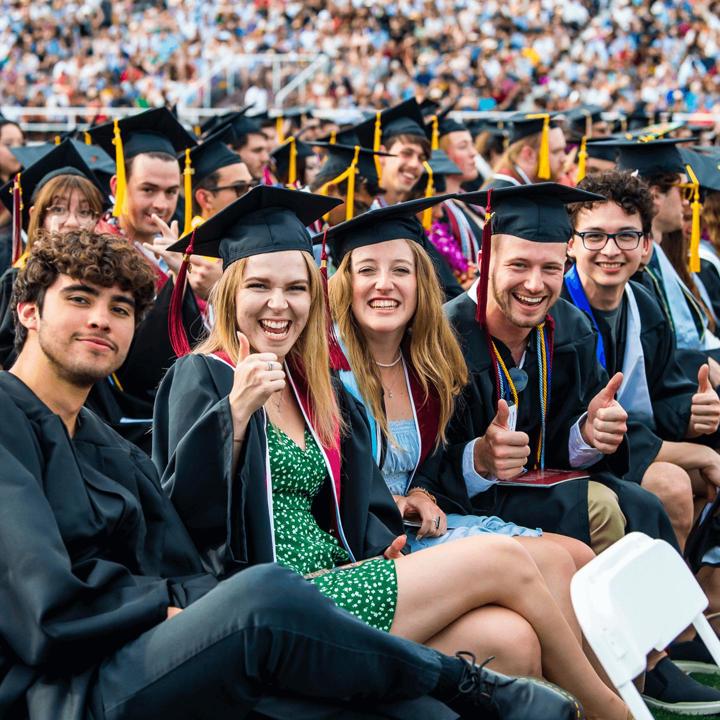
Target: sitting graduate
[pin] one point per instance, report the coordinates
(664, 407)
(58, 193)
(97, 567)
(265, 462)
(537, 396)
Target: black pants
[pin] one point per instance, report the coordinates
(264, 632)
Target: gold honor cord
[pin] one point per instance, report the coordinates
(435, 142)
(377, 142)
(582, 160)
(87, 138)
(543, 166)
(429, 192)
(121, 182)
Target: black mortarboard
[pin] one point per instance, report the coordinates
(266, 219)
(597, 149)
(534, 212)
(341, 156)
(402, 119)
(525, 124)
(429, 107)
(62, 159)
(380, 225)
(648, 158)
(348, 136)
(155, 130)
(217, 121)
(441, 165)
(209, 157)
(440, 124)
(580, 119)
(95, 157)
(705, 167)
(235, 128)
(287, 155)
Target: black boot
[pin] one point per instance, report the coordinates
(483, 693)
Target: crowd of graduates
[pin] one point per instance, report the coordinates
(317, 419)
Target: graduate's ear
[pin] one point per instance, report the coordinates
(203, 198)
(113, 185)
(528, 155)
(28, 315)
(645, 244)
(571, 246)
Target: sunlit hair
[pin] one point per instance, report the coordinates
(61, 186)
(511, 154)
(309, 354)
(430, 343)
(711, 218)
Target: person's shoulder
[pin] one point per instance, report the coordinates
(648, 306)
(460, 309)
(572, 325)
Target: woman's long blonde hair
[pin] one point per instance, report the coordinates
(309, 354)
(434, 352)
(61, 185)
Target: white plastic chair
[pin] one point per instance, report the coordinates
(637, 596)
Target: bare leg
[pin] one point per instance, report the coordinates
(672, 485)
(440, 585)
(493, 631)
(581, 553)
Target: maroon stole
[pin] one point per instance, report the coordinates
(427, 410)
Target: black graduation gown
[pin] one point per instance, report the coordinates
(448, 282)
(229, 517)
(670, 389)
(126, 408)
(90, 547)
(711, 280)
(576, 378)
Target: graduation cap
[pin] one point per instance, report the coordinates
(19, 194)
(296, 115)
(348, 136)
(155, 130)
(436, 169)
(440, 124)
(527, 124)
(534, 212)
(286, 157)
(380, 225)
(647, 157)
(266, 219)
(429, 107)
(210, 157)
(234, 128)
(581, 119)
(348, 162)
(216, 121)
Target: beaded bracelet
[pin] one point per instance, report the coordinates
(424, 492)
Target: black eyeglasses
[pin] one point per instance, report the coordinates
(596, 240)
(239, 188)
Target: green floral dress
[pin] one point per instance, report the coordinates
(369, 590)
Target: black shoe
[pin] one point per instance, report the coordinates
(669, 688)
(510, 698)
(693, 657)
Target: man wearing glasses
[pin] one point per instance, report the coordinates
(665, 408)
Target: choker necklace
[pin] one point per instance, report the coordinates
(392, 364)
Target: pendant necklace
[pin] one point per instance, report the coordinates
(389, 389)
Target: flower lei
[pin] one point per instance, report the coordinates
(440, 235)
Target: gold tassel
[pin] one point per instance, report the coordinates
(333, 137)
(582, 160)
(350, 199)
(377, 142)
(292, 165)
(429, 192)
(121, 183)
(696, 207)
(197, 130)
(187, 189)
(279, 122)
(87, 138)
(58, 139)
(543, 166)
(435, 142)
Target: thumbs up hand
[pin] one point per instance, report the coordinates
(257, 377)
(500, 451)
(705, 408)
(606, 421)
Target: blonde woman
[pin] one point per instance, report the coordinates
(266, 463)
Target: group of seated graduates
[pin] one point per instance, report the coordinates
(331, 441)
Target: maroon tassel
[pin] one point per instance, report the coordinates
(17, 246)
(338, 361)
(482, 288)
(176, 329)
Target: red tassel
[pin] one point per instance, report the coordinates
(482, 288)
(176, 329)
(338, 361)
(17, 246)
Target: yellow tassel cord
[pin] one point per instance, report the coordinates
(58, 139)
(87, 138)
(435, 142)
(333, 137)
(187, 190)
(582, 160)
(292, 164)
(543, 167)
(349, 175)
(198, 130)
(279, 122)
(429, 192)
(696, 207)
(121, 183)
(20, 263)
(377, 142)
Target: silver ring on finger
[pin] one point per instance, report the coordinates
(271, 365)
(437, 522)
